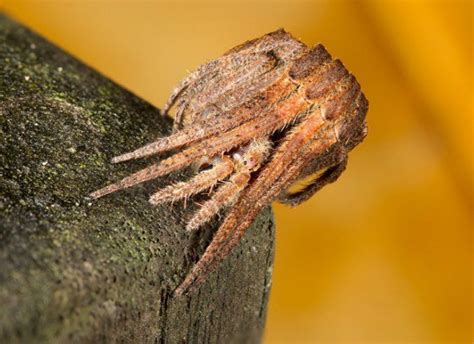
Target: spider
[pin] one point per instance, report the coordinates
(254, 121)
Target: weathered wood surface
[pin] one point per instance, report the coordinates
(72, 270)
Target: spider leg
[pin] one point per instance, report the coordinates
(223, 123)
(260, 193)
(225, 195)
(261, 125)
(329, 176)
(254, 155)
(217, 250)
(257, 128)
(252, 201)
(173, 163)
(311, 137)
(164, 144)
(222, 167)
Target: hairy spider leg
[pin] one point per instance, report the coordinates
(226, 121)
(224, 195)
(257, 127)
(286, 163)
(222, 168)
(251, 159)
(241, 216)
(253, 199)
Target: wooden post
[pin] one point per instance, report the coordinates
(73, 270)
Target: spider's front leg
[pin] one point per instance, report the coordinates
(212, 146)
(221, 168)
(247, 160)
(205, 128)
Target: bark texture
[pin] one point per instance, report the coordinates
(72, 270)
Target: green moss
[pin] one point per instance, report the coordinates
(76, 270)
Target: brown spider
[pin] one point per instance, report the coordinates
(266, 114)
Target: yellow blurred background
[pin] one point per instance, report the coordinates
(385, 254)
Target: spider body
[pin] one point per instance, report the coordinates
(261, 117)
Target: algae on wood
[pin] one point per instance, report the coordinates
(82, 271)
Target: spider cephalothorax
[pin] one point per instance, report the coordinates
(264, 115)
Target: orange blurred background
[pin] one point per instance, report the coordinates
(385, 254)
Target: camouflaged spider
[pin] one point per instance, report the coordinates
(264, 115)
